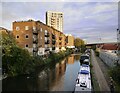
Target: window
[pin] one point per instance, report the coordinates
(26, 36)
(17, 36)
(26, 45)
(17, 28)
(26, 27)
(34, 28)
(46, 31)
(41, 29)
(46, 46)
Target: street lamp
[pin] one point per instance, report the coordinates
(118, 42)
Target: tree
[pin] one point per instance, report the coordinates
(15, 60)
(78, 42)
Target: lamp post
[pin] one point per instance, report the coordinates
(118, 42)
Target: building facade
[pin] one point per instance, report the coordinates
(55, 20)
(70, 41)
(37, 37)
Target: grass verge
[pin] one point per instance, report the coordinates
(95, 84)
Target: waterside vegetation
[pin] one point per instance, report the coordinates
(18, 61)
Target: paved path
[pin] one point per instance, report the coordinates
(105, 68)
(99, 74)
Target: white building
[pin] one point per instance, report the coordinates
(55, 19)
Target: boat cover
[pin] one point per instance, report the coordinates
(84, 72)
(84, 65)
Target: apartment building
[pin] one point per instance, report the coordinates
(37, 37)
(70, 41)
(55, 20)
(24, 32)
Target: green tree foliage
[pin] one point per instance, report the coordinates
(115, 73)
(14, 59)
(78, 42)
(94, 47)
(18, 61)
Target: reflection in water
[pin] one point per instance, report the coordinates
(70, 59)
(58, 77)
(49, 77)
(77, 57)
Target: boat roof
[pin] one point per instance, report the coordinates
(86, 60)
(85, 55)
(78, 88)
(87, 68)
(84, 72)
(84, 65)
(84, 79)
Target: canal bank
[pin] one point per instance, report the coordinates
(98, 74)
(24, 63)
(60, 76)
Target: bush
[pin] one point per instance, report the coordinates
(97, 53)
(115, 74)
(16, 61)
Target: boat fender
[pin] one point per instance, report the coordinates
(77, 80)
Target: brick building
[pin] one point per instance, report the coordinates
(37, 37)
(70, 41)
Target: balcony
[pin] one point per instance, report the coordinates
(47, 42)
(35, 31)
(47, 34)
(53, 48)
(35, 49)
(53, 42)
(47, 49)
(35, 40)
(53, 36)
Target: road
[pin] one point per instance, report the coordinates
(98, 73)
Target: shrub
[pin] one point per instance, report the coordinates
(115, 73)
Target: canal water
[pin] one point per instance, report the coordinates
(60, 76)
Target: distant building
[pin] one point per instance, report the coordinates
(55, 20)
(4, 30)
(109, 46)
(37, 37)
(70, 41)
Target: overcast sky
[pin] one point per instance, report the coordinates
(91, 21)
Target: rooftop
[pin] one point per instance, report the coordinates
(109, 47)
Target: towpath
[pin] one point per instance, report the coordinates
(98, 73)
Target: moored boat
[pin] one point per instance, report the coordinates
(83, 82)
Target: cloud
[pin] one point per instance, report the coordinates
(84, 19)
(104, 7)
(60, 1)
